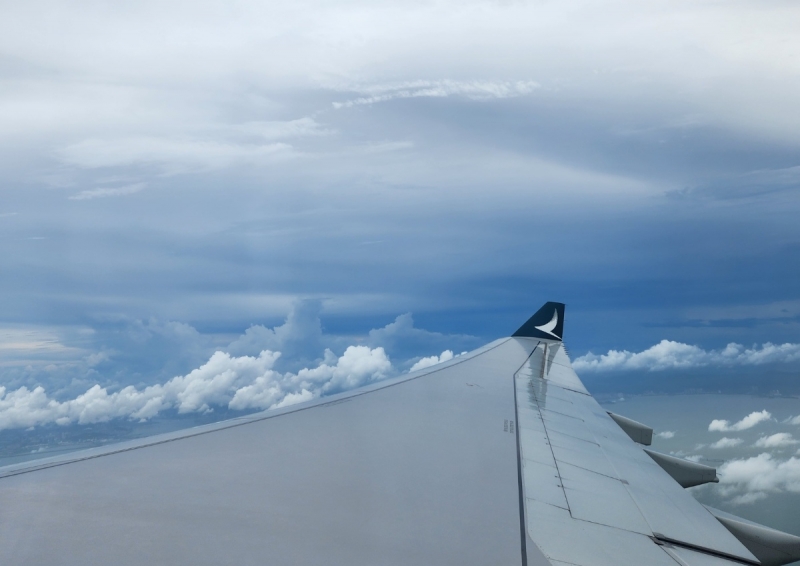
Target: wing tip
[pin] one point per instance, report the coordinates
(546, 323)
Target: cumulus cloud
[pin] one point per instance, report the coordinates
(299, 338)
(432, 360)
(666, 434)
(475, 90)
(793, 420)
(750, 479)
(726, 442)
(751, 420)
(777, 440)
(668, 354)
(245, 382)
(401, 338)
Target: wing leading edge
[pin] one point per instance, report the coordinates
(500, 456)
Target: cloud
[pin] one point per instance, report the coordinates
(209, 148)
(751, 479)
(749, 184)
(299, 338)
(776, 440)
(666, 434)
(402, 338)
(240, 383)
(108, 192)
(432, 360)
(117, 351)
(748, 498)
(27, 342)
(175, 154)
(475, 90)
(751, 420)
(676, 355)
(793, 420)
(725, 442)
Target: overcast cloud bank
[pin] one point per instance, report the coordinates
(677, 355)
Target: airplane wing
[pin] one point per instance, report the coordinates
(499, 456)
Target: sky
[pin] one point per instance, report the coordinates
(232, 206)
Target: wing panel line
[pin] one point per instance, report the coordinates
(523, 532)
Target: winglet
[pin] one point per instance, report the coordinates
(547, 323)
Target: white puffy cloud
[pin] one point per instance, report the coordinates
(751, 420)
(725, 442)
(750, 479)
(777, 440)
(667, 434)
(668, 354)
(358, 365)
(793, 420)
(244, 382)
(432, 360)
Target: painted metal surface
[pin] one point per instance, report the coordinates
(685, 472)
(772, 547)
(616, 501)
(421, 472)
(638, 432)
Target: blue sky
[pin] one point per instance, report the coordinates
(175, 173)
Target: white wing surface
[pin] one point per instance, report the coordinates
(497, 457)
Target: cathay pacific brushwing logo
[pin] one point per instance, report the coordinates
(548, 328)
